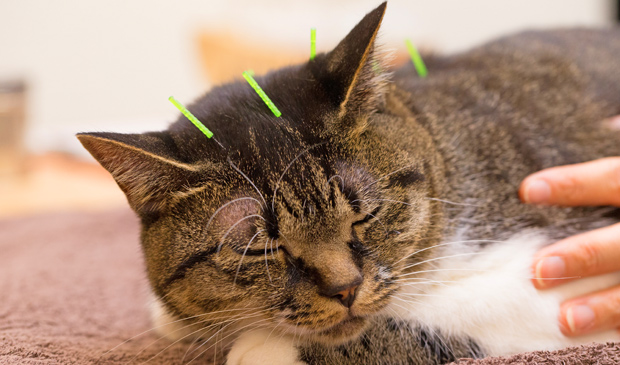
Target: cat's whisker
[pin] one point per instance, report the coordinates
(395, 313)
(423, 295)
(274, 328)
(225, 337)
(439, 270)
(441, 258)
(286, 239)
(229, 319)
(171, 291)
(401, 276)
(341, 181)
(409, 302)
(444, 244)
(247, 247)
(206, 328)
(296, 333)
(386, 176)
(416, 280)
(382, 200)
(409, 282)
(190, 347)
(219, 246)
(451, 202)
(208, 339)
(282, 333)
(227, 204)
(248, 179)
(416, 284)
(267, 261)
(378, 220)
(175, 321)
(417, 302)
(275, 190)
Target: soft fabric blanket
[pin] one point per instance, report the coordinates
(73, 290)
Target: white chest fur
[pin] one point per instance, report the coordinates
(489, 297)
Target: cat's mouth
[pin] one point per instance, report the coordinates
(342, 331)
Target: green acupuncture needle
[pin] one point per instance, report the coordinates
(420, 67)
(191, 117)
(312, 43)
(248, 77)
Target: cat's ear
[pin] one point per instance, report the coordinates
(353, 72)
(142, 165)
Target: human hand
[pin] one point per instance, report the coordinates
(587, 254)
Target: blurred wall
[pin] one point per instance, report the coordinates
(95, 66)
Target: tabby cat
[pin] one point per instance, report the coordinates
(377, 220)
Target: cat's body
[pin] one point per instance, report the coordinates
(375, 222)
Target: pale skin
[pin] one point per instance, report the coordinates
(587, 254)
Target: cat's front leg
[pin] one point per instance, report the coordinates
(264, 347)
(386, 341)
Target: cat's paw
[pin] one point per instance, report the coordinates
(263, 347)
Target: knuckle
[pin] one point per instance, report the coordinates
(589, 256)
(613, 308)
(569, 189)
(615, 303)
(615, 178)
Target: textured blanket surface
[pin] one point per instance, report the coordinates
(73, 291)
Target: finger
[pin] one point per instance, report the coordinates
(587, 254)
(591, 183)
(592, 313)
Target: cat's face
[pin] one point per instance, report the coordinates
(307, 219)
(327, 223)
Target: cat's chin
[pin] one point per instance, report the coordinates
(342, 332)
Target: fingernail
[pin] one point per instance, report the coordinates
(579, 317)
(537, 191)
(552, 267)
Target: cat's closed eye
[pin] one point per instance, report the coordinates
(367, 218)
(249, 251)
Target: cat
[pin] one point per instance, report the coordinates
(377, 220)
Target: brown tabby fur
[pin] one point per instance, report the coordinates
(364, 173)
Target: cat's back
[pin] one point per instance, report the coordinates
(515, 106)
(590, 55)
(593, 53)
(538, 94)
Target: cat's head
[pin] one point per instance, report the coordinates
(307, 217)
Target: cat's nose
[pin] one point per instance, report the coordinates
(336, 274)
(347, 296)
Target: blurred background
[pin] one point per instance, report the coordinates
(68, 66)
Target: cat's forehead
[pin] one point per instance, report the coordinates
(292, 90)
(245, 126)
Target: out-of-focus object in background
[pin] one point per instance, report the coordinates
(225, 56)
(12, 127)
(57, 182)
(34, 184)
